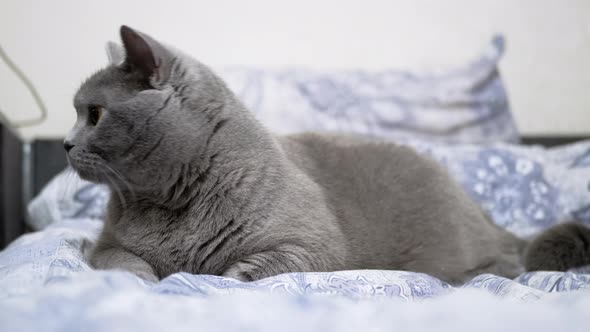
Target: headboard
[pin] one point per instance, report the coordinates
(11, 194)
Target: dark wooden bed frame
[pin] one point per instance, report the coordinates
(26, 168)
(11, 193)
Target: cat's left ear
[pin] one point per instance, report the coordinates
(145, 55)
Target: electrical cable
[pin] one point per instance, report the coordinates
(38, 100)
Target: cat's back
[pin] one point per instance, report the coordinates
(372, 184)
(398, 209)
(356, 163)
(358, 168)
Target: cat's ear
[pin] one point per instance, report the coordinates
(115, 53)
(145, 55)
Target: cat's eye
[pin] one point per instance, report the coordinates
(94, 114)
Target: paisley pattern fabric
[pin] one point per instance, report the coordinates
(46, 284)
(118, 302)
(467, 104)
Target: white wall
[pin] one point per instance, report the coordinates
(546, 68)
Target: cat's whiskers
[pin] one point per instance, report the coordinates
(70, 177)
(120, 177)
(115, 187)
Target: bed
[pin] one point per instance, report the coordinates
(460, 117)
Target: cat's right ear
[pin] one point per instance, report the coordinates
(115, 53)
(139, 53)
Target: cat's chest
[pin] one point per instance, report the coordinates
(167, 241)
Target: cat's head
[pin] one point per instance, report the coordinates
(150, 112)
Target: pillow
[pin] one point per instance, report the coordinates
(67, 197)
(467, 104)
(524, 189)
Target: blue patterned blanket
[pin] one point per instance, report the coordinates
(47, 284)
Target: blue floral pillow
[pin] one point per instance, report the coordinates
(524, 189)
(467, 104)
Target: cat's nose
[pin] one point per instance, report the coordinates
(68, 146)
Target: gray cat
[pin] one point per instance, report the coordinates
(198, 185)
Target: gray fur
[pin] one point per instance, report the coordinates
(200, 186)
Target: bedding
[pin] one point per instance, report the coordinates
(467, 104)
(46, 282)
